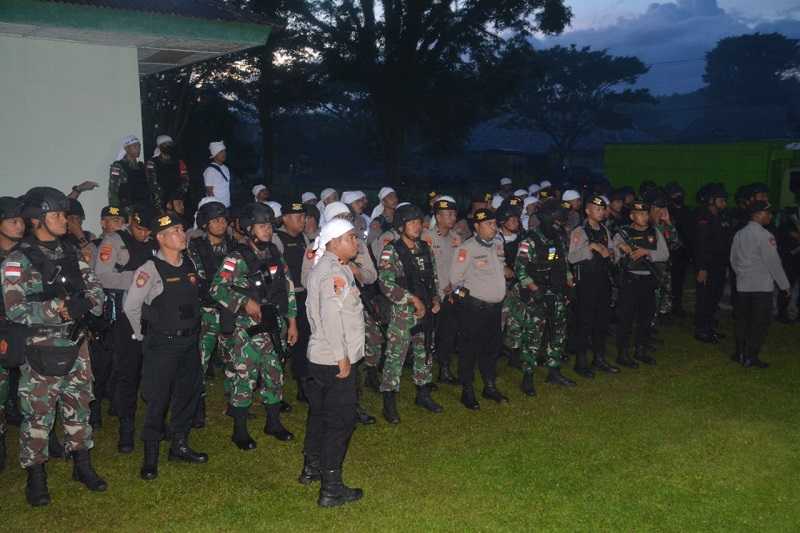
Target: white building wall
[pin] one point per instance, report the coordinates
(64, 107)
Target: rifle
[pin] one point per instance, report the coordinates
(270, 321)
(649, 265)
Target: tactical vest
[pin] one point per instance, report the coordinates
(58, 275)
(177, 307)
(169, 175)
(210, 259)
(510, 249)
(135, 189)
(138, 252)
(598, 263)
(646, 239)
(267, 277)
(548, 267)
(294, 249)
(418, 274)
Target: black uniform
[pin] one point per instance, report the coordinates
(294, 249)
(712, 249)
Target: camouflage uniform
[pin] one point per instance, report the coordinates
(166, 176)
(540, 255)
(402, 320)
(4, 377)
(664, 290)
(253, 357)
(40, 394)
(129, 184)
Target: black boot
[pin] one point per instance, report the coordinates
(445, 376)
(2, 452)
(241, 437)
(126, 430)
(149, 468)
(310, 472)
(468, 398)
(96, 415)
(199, 420)
(363, 417)
(373, 381)
(623, 359)
(515, 359)
(274, 427)
(527, 384)
(54, 448)
(425, 401)
(602, 365)
(641, 355)
(555, 377)
(334, 492)
(490, 392)
(180, 450)
(390, 407)
(301, 394)
(36, 489)
(582, 365)
(83, 471)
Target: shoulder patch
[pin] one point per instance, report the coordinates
(310, 254)
(339, 283)
(105, 253)
(462, 255)
(524, 247)
(772, 241)
(142, 278)
(386, 254)
(228, 268)
(12, 271)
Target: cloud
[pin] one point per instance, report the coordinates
(673, 38)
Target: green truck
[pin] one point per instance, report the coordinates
(775, 162)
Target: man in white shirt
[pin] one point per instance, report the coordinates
(217, 176)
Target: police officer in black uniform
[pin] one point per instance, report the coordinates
(165, 296)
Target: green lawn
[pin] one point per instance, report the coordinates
(696, 443)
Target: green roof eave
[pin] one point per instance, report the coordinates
(53, 14)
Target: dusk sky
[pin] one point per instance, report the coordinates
(673, 37)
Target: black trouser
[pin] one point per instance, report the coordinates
(331, 414)
(101, 353)
(635, 308)
(678, 266)
(171, 376)
(297, 352)
(791, 265)
(481, 325)
(446, 333)
(593, 311)
(708, 295)
(753, 315)
(127, 368)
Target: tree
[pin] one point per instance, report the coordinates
(753, 69)
(568, 92)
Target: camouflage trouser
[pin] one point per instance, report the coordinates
(398, 339)
(211, 338)
(664, 294)
(255, 357)
(544, 330)
(39, 397)
(374, 341)
(3, 398)
(514, 318)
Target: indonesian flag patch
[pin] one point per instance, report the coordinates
(12, 271)
(386, 255)
(273, 269)
(524, 248)
(228, 268)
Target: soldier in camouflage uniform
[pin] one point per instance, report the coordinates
(12, 229)
(168, 175)
(254, 283)
(544, 276)
(216, 323)
(660, 215)
(509, 235)
(128, 182)
(57, 370)
(407, 277)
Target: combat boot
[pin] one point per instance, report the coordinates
(582, 365)
(555, 377)
(36, 491)
(180, 451)
(425, 401)
(83, 471)
(602, 365)
(126, 430)
(514, 359)
(55, 449)
(373, 381)
(363, 417)
(490, 392)
(623, 359)
(333, 492)
(641, 355)
(199, 420)
(527, 384)
(390, 407)
(311, 470)
(149, 470)
(274, 427)
(96, 414)
(446, 376)
(468, 398)
(2, 452)
(241, 437)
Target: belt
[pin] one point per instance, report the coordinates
(176, 332)
(480, 304)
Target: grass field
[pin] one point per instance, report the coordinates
(694, 444)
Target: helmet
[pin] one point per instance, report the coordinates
(10, 207)
(255, 213)
(209, 212)
(405, 214)
(39, 201)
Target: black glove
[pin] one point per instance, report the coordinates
(77, 306)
